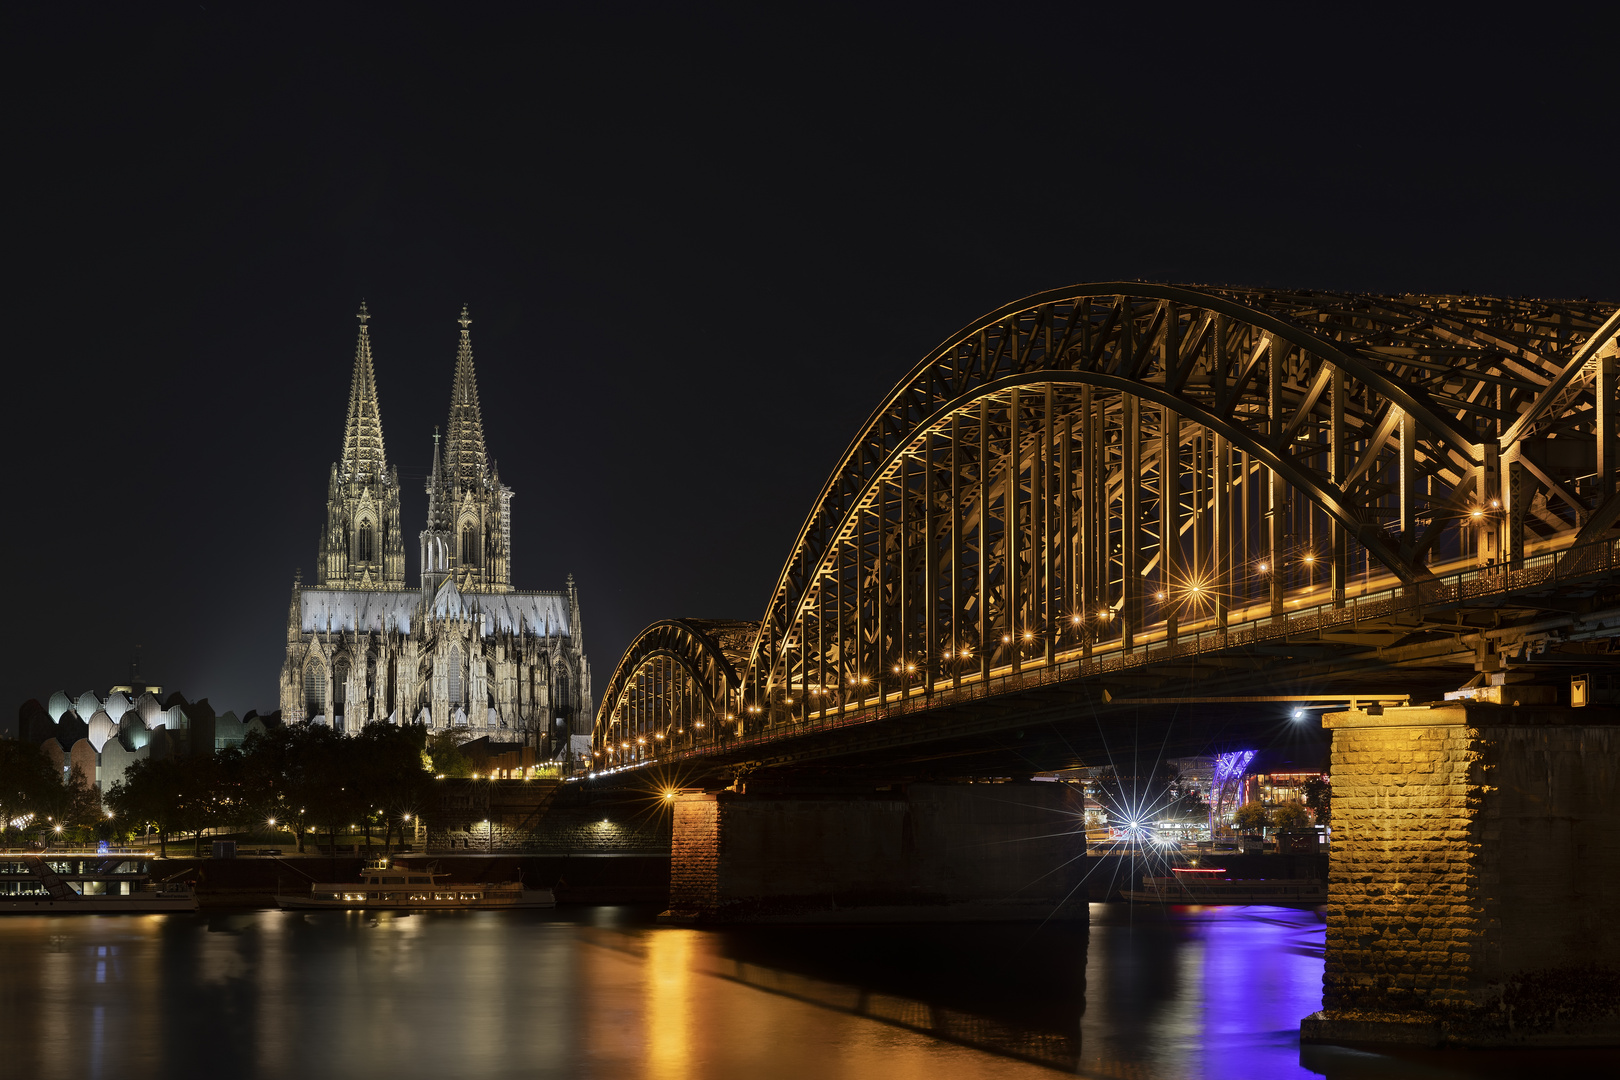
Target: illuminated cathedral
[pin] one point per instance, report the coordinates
(463, 649)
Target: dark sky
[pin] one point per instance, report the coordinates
(698, 243)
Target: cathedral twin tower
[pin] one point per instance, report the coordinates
(464, 649)
(468, 528)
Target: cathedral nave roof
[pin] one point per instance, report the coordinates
(542, 613)
(353, 610)
(356, 610)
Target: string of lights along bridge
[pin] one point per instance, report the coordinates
(1114, 474)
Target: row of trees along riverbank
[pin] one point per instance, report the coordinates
(305, 778)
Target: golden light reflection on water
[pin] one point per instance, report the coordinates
(272, 994)
(669, 993)
(703, 1014)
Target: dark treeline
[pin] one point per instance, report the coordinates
(304, 778)
(33, 798)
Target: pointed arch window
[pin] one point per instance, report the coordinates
(314, 688)
(367, 548)
(455, 675)
(562, 690)
(469, 546)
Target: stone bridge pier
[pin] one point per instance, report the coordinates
(1474, 893)
(911, 852)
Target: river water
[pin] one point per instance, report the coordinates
(602, 992)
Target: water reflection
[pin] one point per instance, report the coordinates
(669, 1004)
(1016, 991)
(1211, 992)
(600, 992)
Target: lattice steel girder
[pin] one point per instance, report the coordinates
(1082, 454)
(1038, 548)
(1288, 379)
(707, 651)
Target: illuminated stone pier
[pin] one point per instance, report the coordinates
(917, 852)
(1474, 877)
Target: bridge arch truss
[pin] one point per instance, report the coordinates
(1096, 467)
(675, 684)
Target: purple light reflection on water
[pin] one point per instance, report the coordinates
(1205, 992)
(1262, 974)
(1188, 993)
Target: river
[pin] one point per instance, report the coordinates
(604, 993)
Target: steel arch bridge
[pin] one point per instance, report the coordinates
(1093, 476)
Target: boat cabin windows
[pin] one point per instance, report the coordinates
(23, 889)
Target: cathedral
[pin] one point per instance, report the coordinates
(463, 649)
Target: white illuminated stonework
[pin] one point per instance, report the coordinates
(464, 649)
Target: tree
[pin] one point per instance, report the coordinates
(394, 776)
(289, 776)
(324, 776)
(152, 792)
(29, 783)
(174, 794)
(444, 750)
(298, 776)
(1251, 817)
(205, 796)
(1318, 795)
(1290, 815)
(271, 780)
(77, 806)
(228, 788)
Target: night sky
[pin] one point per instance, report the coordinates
(698, 246)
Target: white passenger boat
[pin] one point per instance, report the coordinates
(84, 883)
(1213, 885)
(406, 887)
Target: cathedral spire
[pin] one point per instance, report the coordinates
(361, 546)
(363, 456)
(464, 458)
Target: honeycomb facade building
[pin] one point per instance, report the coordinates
(463, 649)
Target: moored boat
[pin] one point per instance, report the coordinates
(85, 883)
(403, 887)
(1213, 885)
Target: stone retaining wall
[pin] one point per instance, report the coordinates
(541, 817)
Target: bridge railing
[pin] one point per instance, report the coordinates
(1459, 588)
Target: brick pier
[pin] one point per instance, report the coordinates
(1474, 877)
(917, 852)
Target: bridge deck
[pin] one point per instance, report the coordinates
(1413, 641)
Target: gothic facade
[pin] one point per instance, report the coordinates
(462, 650)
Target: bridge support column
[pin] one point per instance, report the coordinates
(924, 852)
(1473, 878)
